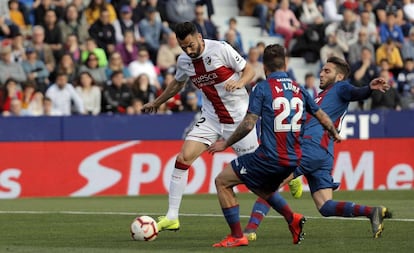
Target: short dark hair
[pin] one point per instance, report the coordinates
(182, 30)
(309, 74)
(340, 64)
(274, 57)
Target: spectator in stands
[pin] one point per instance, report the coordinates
(391, 30)
(10, 90)
(389, 6)
(152, 30)
(36, 70)
(389, 51)
(92, 47)
(16, 109)
(128, 49)
(142, 89)
(368, 6)
(116, 64)
(204, 26)
(16, 16)
(73, 48)
(63, 95)
(139, 9)
(44, 6)
(73, 24)
(32, 99)
(90, 93)
(310, 84)
(352, 5)
(354, 53)
(53, 34)
(365, 69)
(231, 38)
(43, 50)
(9, 69)
(366, 23)
(174, 104)
(178, 11)
(91, 66)
(253, 59)
(66, 66)
(331, 11)
(346, 30)
(48, 109)
(405, 79)
(125, 23)
(94, 11)
(286, 24)
(233, 26)
(18, 53)
(260, 9)
(333, 47)
(144, 65)
(168, 53)
(407, 50)
(103, 32)
(116, 97)
(310, 13)
(386, 100)
(136, 107)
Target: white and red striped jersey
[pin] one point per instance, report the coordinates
(218, 63)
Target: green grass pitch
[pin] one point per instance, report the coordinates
(101, 224)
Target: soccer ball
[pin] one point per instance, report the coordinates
(144, 228)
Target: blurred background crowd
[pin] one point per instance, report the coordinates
(64, 57)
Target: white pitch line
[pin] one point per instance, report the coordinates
(185, 214)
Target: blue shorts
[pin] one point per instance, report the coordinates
(258, 173)
(316, 165)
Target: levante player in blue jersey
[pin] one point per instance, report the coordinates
(282, 105)
(318, 154)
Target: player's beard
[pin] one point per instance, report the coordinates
(327, 82)
(198, 51)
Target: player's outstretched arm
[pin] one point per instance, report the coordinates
(326, 122)
(173, 88)
(247, 125)
(379, 84)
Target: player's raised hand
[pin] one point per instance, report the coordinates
(149, 107)
(218, 146)
(379, 84)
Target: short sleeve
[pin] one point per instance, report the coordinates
(180, 74)
(311, 106)
(232, 58)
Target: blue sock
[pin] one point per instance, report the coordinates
(232, 217)
(259, 211)
(281, 206)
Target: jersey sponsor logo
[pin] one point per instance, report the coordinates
(204, 79)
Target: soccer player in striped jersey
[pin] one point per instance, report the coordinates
(318, 150)
(282, 105)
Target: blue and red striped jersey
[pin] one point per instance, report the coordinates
(334, 101)
(282, 105)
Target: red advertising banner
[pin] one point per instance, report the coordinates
(43, 169)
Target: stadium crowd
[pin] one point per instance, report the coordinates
(64, 57)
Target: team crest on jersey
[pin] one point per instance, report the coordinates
(237, 58)
(208, 60)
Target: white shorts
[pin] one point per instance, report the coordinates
(209, 131)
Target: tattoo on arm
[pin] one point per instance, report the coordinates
(248, 123)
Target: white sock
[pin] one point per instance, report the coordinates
(177, 186)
